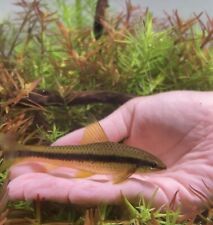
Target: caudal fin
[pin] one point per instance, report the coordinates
(7, 142)
(8, 148)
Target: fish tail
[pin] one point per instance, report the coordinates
(7, 142)
(8, 148)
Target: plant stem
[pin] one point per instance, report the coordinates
(78, 6)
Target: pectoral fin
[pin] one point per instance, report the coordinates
(83, 174)
(94, 133)
(120, 177)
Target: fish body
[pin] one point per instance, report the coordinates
(101, 157)
(116, 159)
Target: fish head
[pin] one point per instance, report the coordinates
(157, 165)
(152, 164)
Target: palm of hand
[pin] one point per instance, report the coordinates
(177, 127)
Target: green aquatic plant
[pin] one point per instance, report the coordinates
(144, 57)
(52, 134)
(143, 213)
(78, 15)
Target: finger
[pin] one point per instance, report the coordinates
(183, 188)
(19, 188)
(98, 190)
(116, 126)
(27, 167)
(41, 167)
(80, 191)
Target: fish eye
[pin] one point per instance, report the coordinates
(154, 165)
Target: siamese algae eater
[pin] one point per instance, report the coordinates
(95, 155)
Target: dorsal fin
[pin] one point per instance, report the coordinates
(94, 133)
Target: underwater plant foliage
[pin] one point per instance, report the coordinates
(53, 54)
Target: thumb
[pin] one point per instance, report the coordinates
(116, 127)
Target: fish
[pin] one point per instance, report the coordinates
(94, 155)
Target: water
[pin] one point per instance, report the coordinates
(186, 8)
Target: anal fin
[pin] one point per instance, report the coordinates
(83, 174)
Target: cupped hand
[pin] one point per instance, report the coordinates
(175, 126)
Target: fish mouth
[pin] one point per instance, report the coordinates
(158, 165)
(162, 166)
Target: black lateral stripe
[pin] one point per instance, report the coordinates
(87, 157)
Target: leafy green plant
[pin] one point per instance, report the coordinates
(144, 57)
(77, 15)
(53, 134)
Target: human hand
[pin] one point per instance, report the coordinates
(177, 127)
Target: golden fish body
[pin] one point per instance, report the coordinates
(118, 160)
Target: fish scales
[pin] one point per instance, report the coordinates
(95, 155)
(108, 152)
